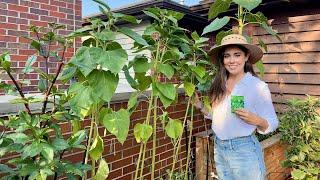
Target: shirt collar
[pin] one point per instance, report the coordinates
(246, 79)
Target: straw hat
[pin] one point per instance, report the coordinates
(236, 39)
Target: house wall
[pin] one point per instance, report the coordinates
(127, 44)
(292, 68)
(16, 16)
(122, 158)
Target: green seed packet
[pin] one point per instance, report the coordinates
(237, 102)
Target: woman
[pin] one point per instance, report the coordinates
(237, 152)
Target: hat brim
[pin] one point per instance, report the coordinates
(255, 52)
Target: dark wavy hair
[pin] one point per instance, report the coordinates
(218, 88)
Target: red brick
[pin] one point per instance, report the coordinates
(39, 11)
(70, 5)
(29, 16)
(52, 71)
(29, 88)
(39, 23)
(68, 54)
(18, 45)
(3, 18)
(17, 20)
(74, 157)
(17, 33)
(18, 8)
(18, 57)
(3, 44)
(12, 13)
(66, 21)
(49, 7)
(29, 3)
(8, 38)
(77, 7)
(58, 3)
(123, 162)
(112, 156)
(3, 12)
(24, 40)
(127, 169)
(115, 174)
(34, 82)
(66, 10)
(57, 14)
(79, 23)
(48, 19)
(70, 17)
(131, 151)
(27, 51)
(23, 27)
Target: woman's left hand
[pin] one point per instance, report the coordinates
(249, 117)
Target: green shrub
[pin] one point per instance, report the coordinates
(300, 129)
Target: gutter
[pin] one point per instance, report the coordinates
(135, 9)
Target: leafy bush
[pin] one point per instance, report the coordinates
(35, 137)
(300, 129)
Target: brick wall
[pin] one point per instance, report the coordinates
(15, 18)
(273, 157)
(122, 158)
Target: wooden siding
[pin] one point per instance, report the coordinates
(292, 68)
(127, 44)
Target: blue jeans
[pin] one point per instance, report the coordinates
(239, 159)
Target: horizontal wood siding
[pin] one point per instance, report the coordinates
(292, 67)
(127, 44)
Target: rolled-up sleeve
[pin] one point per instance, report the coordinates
(265, 109)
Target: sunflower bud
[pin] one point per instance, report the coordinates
(155, 36)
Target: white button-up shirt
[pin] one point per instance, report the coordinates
(257, 99)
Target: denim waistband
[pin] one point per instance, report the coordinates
(251, 137)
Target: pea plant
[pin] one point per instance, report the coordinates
(300, 129)
(243, 18)
(173, 54)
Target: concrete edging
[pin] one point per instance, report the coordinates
(6, 108)
(270, 141)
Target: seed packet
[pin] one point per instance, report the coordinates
(237, 102)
